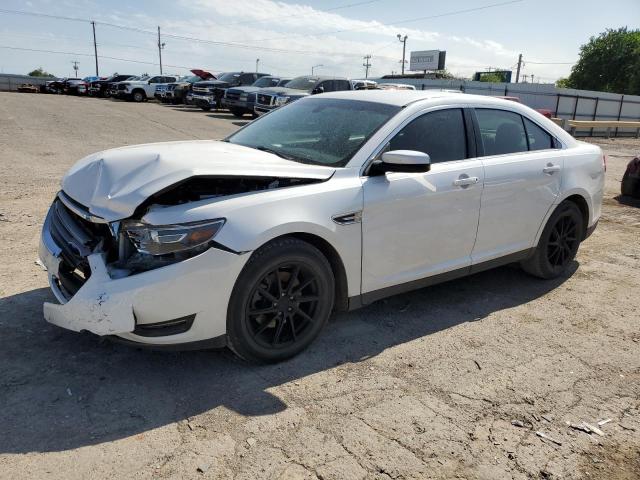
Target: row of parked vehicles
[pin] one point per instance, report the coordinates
(241, 93)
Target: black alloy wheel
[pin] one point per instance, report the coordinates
(558, 244)
(282, 299)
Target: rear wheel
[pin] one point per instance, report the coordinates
(558, 243)
(280, 302)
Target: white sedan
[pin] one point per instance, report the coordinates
(330, 203)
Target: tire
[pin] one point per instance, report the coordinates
(138, 96)
(206, 109)
(237, 112)
(266, 321)
(558, 243)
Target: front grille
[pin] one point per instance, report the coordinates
(231, 95)
(265, 99)
(76, 238)
(251, 98)
(201, 89)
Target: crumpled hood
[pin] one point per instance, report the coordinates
(113, 183)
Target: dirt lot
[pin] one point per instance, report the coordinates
(422, 385)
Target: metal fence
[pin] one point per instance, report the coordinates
(10, 82)
(565, 103)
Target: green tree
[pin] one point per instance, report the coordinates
(491, 77)
(562, 83)
(39, 72)
(609, 62)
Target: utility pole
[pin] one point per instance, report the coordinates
(404, 49)
(519, 66)
(160, 47)
(257, 63)
(95, 46)
(75, 66)
(366, 65)
(532, 78)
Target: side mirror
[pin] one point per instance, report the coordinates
(316, 90)
(409, 161)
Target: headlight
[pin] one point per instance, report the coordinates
(281, 100)
(243, 96)
(165, 239)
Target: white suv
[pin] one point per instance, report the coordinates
(143, 87)
(331, 202)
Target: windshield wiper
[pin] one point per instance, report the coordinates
(275, 152)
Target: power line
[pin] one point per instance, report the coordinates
(549, 63)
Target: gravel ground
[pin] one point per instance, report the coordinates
(422, 385)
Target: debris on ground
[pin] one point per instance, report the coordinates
(517, 423)
(251, 441)
(547, 437)
(603, 422)
(586, 427)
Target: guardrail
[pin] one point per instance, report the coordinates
(602, 124)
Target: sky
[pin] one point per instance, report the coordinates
(290, 37)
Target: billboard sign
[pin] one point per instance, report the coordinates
(427, 60)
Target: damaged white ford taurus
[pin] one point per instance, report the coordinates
(331, 202)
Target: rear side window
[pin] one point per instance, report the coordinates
(342, 85)
(501, 131)
(537, 137)
(440, 134)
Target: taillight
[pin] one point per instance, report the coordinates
(604, 162)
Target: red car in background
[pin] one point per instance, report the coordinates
(544, 111)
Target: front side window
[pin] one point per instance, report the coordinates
(440, 134)
(316, 130)
(501, 131)
(303, 83)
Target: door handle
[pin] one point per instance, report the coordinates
(465, 181)
(551, 169)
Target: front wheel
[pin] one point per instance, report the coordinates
(138, 96)
(237, 112)
(558, 243)
(281, 300)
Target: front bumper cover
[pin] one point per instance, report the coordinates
(106, 306)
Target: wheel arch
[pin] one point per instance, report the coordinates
(334, 259)
(580, 199)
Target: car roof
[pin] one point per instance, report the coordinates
(402, 98)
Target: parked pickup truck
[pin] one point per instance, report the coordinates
(208, 95)
(176, 92)
(241, 100)
(297, 88)
(142, 88)
(100, 88)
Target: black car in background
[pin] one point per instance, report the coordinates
(100, 88)
(208, 94)
(241, 100)
(60, 85)
(299, 87)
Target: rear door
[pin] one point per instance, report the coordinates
(523, 172)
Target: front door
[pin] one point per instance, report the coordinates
(417, 225)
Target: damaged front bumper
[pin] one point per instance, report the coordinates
(145, 308)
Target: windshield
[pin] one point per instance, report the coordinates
(143, 77)
(265, 82)
(302, 83)
(316, 130)
(193, 79)
(228, 77)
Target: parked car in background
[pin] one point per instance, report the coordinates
(364, 85)
(543, 111)
(100, 87)
(299, 87)
(60, 85)
(75, 86)
(161, 89)
(49, 86)
(208, 94)
(141, 88)
(176, 92)
(241, 100)
(330, 203)
(395, 86)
